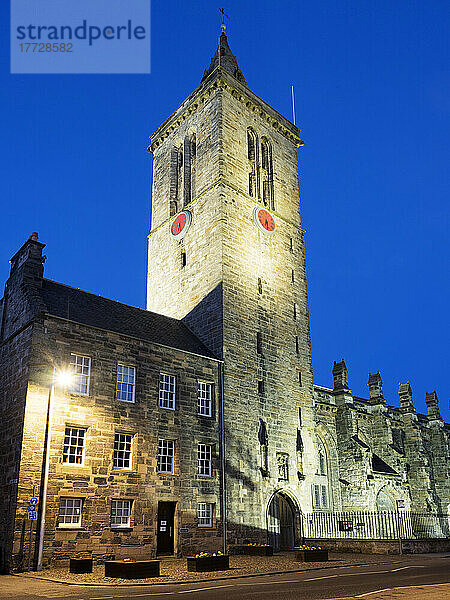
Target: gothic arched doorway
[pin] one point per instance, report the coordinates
(282, 519)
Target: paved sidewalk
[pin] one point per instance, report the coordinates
(430, 592)
(175, 570)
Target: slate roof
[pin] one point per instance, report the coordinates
(379, 466)
(89, 309)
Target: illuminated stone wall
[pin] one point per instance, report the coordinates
(103, 415)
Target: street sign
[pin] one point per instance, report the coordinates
(400, 504)
(32, 515)
(31, 508)
(34, 501)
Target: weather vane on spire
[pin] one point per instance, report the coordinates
(223, 26)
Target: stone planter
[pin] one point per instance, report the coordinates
(80, 565)
(311, 555)
(132, 569)
(208, 563)
(253, 550)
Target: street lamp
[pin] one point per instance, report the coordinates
(63, 379)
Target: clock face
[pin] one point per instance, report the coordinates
(264, 220)
(180, 224)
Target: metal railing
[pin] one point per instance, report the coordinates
(376, 525)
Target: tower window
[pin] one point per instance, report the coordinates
(267, 173)
(252, 153)
(183, 259)
(259, 342)
(295, 311)
(299, 416)
(292, 276)
(173, 183)
(300, 378)
(260, 387)
(259, 285)
(291, 244)
(296, 344)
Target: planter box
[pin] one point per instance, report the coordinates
(128, 569)
(254, 550)
(311, 555)
(80, 565)
(208, 563)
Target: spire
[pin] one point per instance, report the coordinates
(226, 59)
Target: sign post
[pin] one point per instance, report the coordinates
(400, 507)
(32, 516)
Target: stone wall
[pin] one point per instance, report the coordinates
(102, 415)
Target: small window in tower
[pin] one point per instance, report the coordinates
(299, 416)
(260, 387)
(300, 378)
(295, 311)
(259, 342)
(297, 349)
(291, 244)
(292, 276)
(251, 143)
(183, 259)
(259, 285)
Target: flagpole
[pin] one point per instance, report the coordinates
(293, 101)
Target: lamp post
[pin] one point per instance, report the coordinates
(63, 378)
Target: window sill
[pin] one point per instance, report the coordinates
(70, 528)
(121, 528)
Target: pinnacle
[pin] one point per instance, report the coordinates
(227, 61)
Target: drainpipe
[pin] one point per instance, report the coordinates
(223, 507)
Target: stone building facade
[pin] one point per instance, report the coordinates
(196, 422)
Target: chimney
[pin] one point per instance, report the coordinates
(375, 387)
(28, 261)
(432, 405)
(405, 393)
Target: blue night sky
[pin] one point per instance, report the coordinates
(373, 103)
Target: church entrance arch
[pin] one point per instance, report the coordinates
(283, 521)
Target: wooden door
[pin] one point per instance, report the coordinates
(165, 535)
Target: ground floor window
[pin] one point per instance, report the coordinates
(70, 512)
(320, 496)
(120, 513)
(205, 514)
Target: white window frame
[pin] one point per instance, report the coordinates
(205, 393)
(205, 512)
(204, 460)
(125, 386)
(74, 445)
(167, 395)
(320, 496)
(123, 443)
(81, 372)
(166, 451)
(68, 508)
(123, 507)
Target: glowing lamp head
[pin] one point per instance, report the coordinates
(63, 378)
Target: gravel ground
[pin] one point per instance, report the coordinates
(174, 569)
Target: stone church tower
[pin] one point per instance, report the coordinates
(227, 255)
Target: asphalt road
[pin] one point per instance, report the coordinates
(345, 582)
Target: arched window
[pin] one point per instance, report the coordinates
(190, 151)
(320, 487)
(267, 174)
(176, 159)
(252, 153)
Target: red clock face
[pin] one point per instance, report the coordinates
(265, 220)
(180, 224)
